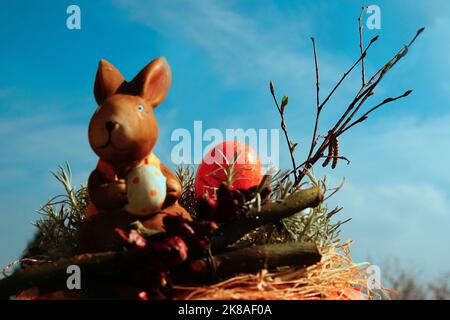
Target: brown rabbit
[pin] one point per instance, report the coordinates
(123, 132)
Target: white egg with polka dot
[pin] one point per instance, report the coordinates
(146, 190)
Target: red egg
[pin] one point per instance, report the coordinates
(231, 162)
(348, 293)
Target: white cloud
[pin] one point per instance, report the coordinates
(244, 48)
(398, 187)
(247, 49)
(33, 146)
(35, 139)
(398, 184)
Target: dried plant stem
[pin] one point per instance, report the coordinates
(283, 127)
(324, 280)
(318, 106)
(344, 123)
(338, 84)
(307, 163)
(114, 267)
(53, 275)
(270, 213)
(361, 45)
(365, 115)
(248, 260)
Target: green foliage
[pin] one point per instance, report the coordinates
(317, 225)
(61, 217)
(60, 220)
(186, 175)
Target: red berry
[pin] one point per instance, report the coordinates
(172, 251)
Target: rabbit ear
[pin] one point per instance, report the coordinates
(153, 82)
(107, 80)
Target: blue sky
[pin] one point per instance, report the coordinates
(223, 53)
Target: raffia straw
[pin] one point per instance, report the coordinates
(9, 266)
(335, 277)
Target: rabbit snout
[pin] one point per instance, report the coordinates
(123, 129)
(111, 126)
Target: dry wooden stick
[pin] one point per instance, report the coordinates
(101, 270)
(54, 274)
(114, 266)
(364, 93)
(366, 115)
(294, 203)
(248, 260)
(344, 76)
(361, 45)
(304, 164)
(283, 127)
(318, 106)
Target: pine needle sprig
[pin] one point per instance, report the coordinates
(60, 220)
(186, 175)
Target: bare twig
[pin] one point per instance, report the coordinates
(283, 127)
(376, 79)
(248, 260)
(400, 54)
(100, 270)
(307, 163)
(318, 106)
(337, 85)
(365, 115)
(361, 45)
(270, 213)
(344, 122)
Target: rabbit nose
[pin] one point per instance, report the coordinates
(111, 125)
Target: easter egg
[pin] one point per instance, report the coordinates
(146, 190)
(348, 293)
(231, 162)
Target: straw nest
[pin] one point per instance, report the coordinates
(336, 277)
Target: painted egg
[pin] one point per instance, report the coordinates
(348, 293)
(146, 190)
(232, 162)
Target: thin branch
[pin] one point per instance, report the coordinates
(395, 59)
(247, 260)
(363, 98)
(101, 271)
(364, 93)
(308, 163)
(366, 115)
(360, 29)
(318, 107)
(415, 37)
(283, 127)
(349, 71)
(270, 213)
(380, 74)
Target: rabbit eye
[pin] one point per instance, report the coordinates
(140, 108)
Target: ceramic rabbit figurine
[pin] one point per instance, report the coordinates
(129, 183)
